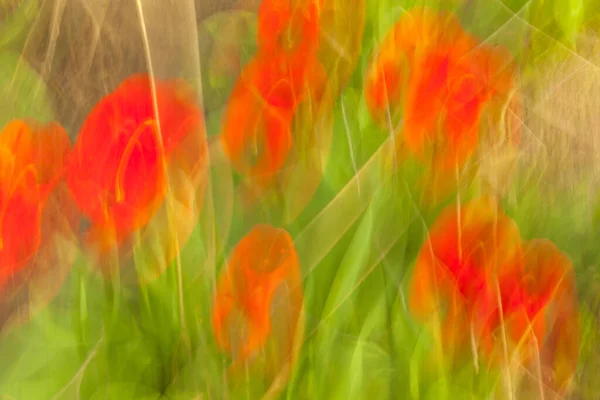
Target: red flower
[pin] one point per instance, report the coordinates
(118, 171)
(27, 176)
(485, 286)
(540, 307)
(440, 79)
(458, 265)
(34, 211)
(259, 298)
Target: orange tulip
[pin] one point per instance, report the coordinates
(256, 132)
(33, 212)
(259, 298)
(289, 27)
(281, 82)
(118, 171)
(384, 84)
(255, 135)
(277, 108)
(438, 77)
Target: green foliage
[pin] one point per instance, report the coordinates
(24, 93)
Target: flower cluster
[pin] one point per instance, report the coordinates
(439, 79)
(493, 293)
(121, 169)
(257, 132)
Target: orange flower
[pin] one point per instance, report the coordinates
(289, 27)
(33, 211)
(256, 132)
(278, 108)
(279, 81)
(288, 39)
(259, 298)
(256, 135)
(118, 171)
(438, 77)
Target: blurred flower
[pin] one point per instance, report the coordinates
(289, 27)
(256, 132)
(540, 309)
(258, 302)
(124, 157)
(276, 124)
(279, 81)
(35, 213)
(440, 79)
(466, 249)
(255, 135)
(256, 128)
(288, 39)
(489, 290)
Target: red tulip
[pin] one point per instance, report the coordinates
(539, 305)
(438, 77)
(118, 171)
(34, 212)
(30, 166)
(458, 265)
(489, 289)
(278, 104)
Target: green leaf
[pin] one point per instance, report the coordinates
(24, 94)
(352, 265)
(569, 15)
(39, 358)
